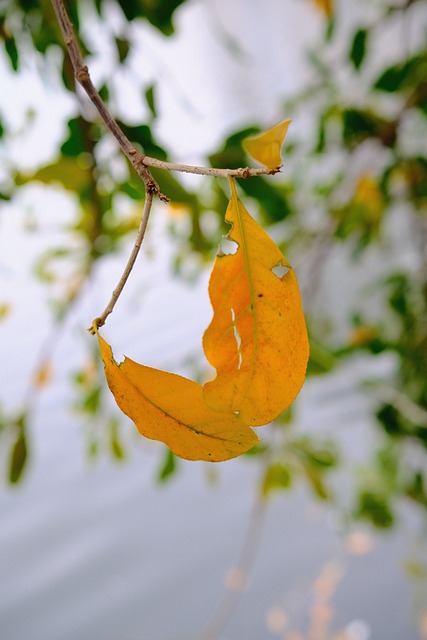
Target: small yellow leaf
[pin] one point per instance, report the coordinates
(265, 147)
(4, 310)
(257, 340)
(326, 6)
(170, 408)
(43, 375)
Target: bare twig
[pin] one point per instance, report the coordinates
(139, 161)
(100, 321)
(246, 172)
(81, 73)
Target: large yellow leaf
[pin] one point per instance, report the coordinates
(265, 147)
(170, 408)
(257, 340)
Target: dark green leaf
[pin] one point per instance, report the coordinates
(158, 12)
(151, 100)
(123, 48)
(142, 134)
(12, 52)
(376, 509)
(358, 48)
(74, 144)
(407, 74)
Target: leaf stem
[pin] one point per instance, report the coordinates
(100, 321)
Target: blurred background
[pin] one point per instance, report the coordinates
(320, 532)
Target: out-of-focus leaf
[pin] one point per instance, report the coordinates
(150, 99)
(123, 48)
(143, 135)
(327, 6)
(66, 171)
(170, 408)
(158, 12)
(168, 467)
(358, 48)
(115, 442)
(74, 145)
(257, 340)
(409, 74)
(376, 509)
(277, 477)
(360, 125)
(19, 454)
(12, 52)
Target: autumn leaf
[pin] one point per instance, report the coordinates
(257, 340)
(170, 408)
(327, 6)
(265, 147)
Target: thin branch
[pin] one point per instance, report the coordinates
(100, 321)
(246, 172)
(139, 161)
(240, 574)
(81, 74)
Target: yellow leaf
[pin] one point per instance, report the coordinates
(326, 6)
(4, 310)
(265, 147)
(43, 375)
(257, 340)
(170, 408)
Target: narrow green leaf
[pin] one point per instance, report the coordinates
(151, 99)
(358, 48)
(18, 457)
(12, 52)
(168, 467)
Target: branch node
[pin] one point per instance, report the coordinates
(83, 74)
(96, 324)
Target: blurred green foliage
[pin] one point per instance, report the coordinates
(359, 170)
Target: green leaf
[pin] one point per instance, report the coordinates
(168, 467)
(407, 74)
(358, 48)
(277, 477)
(158, 12)
(150, 99)
(19, 454)
(376, 509)
(12, 52)
(123, 48)
(73, 145)
(115, 443)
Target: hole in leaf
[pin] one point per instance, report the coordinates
(227, 247)
(279, 270)
(238, 338)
